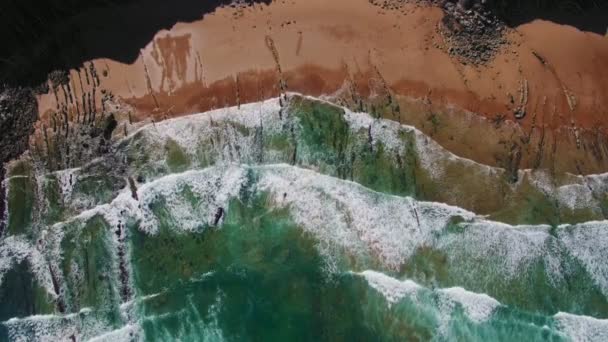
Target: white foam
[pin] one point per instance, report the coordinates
(189, 131)
(597, 183)
(12, 251)
(510, 248)
(588, 242)
(576, 192)
(340, 214)
(66, 179)
(392, 289)
(583, 328)
(130, 332)
(231, 145)
(392, 228)
(347, 217)
(437, 161)
(382, 131)
(356, 218)
(51, 328)
(479, 307)
(213, 187)
(5, 185)
(16, 249)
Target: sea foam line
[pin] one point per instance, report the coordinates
(187, 131)
(479, 307)
(579, 192)
(361, 221)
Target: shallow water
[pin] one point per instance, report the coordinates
(305, 222)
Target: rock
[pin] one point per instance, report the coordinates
(474, 35)
(59, 78)
(18, 113)
(218, 216)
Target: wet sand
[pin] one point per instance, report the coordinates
(557, 73)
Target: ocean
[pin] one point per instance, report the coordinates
(296, 219)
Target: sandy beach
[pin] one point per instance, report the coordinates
(244, 54)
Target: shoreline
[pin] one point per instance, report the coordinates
(241, 55)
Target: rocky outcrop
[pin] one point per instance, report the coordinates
(471, 30)
(18, 113)
(474, 29)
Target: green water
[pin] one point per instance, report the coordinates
(311, 226)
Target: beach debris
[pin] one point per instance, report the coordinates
(520, 111)
(133, 188)
(540, 58)
(570, 98)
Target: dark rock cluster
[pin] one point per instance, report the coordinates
(471, 31)
(392, 5)
(18, 113)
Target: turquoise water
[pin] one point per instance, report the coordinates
(318, 224)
